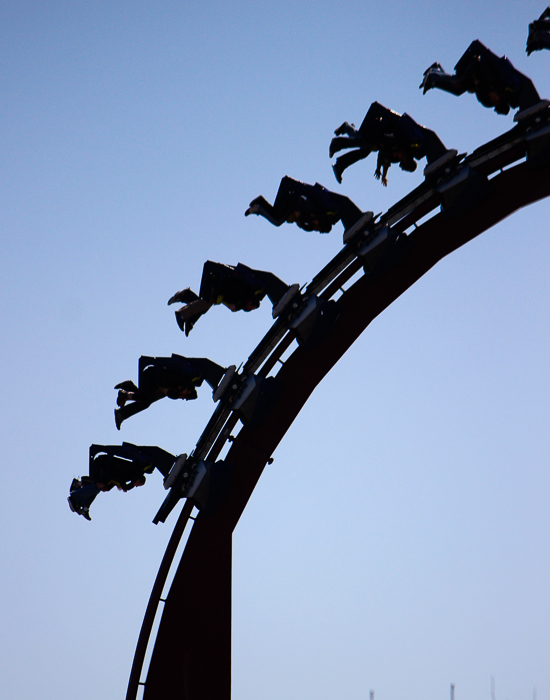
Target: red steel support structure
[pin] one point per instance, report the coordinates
(191, 659)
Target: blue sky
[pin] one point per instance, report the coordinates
(400, 541)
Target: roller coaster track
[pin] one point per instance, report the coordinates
(191, 657)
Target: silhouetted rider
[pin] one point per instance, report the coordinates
(539, 33)
(494, 81)
(396, 137)
(311, 207)
(239, 287)
(175, 377)
(123, 466)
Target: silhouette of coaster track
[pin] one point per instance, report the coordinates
(191, 653)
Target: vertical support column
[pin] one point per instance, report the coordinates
(192, 655)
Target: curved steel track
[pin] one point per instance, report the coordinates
(191, 657)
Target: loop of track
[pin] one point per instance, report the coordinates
(194, 634)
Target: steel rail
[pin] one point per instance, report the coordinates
(154, 600)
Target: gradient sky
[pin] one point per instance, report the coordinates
(401, 539)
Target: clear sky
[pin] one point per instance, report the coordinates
(401, 540)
